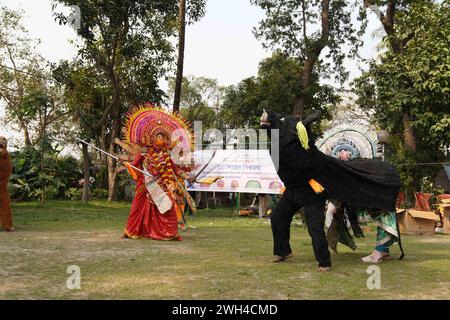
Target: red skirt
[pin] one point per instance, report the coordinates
(145, 220)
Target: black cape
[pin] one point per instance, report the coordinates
(364, 183)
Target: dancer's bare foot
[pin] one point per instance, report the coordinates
(375, 257)
(10, 229)
(324, 269)
(282, 258)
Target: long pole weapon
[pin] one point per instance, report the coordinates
(158, 195)
(145, 173)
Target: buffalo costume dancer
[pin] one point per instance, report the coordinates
(5, 173)
(160, 197)
(307, 172)
(298, 194)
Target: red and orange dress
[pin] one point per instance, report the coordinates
(145, 220)
(163, 134)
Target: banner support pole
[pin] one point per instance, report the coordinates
(238, 205)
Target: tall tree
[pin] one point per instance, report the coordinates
(84, 93)
(128, 41)
(414, 81)
(304, 29)
(27, 89)
(388, 12)
(195, 9)
(275, 88)
(180, 63)
(201, 99)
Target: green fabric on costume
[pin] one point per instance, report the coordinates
(386, 229)
(344, 235)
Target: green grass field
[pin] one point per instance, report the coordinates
(221, 257)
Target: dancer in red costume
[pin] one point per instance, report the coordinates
(150, 126)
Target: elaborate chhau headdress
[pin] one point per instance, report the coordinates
(143, 123)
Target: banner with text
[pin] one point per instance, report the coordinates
(244, 171)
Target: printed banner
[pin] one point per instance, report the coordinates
(244, 171)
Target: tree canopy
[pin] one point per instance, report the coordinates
(27, 90)
(415, 80)
(201, 99)
(319, 33)
(275, 88)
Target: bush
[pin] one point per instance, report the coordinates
(74, 194)
(51, 193)
(28, 178)
(100, 194)
(126, 186)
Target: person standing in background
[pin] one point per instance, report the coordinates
(5, 173)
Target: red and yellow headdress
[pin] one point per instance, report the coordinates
(144, 122)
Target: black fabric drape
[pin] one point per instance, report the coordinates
(363, 183)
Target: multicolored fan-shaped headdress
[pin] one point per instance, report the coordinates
(144, 122)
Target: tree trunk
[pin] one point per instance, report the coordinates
(300, 101)
(102, 143)
(115, 115)
(86, 165)
(26, 135)
(112, 180)
(314, 51)
(398, 45)
(408, 133)
(112, 174)
(180, 63)
(42, 172)
(299, 105)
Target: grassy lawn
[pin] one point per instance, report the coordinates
(221, 257)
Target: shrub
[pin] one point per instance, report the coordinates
(74, 194)
(31, 173)
(99, 194)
